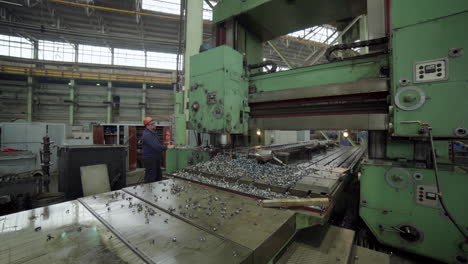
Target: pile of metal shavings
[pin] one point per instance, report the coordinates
(242, 168)
(249, 189)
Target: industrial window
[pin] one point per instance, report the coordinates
(94, 54)
(127, 57)
(162, 60)
(321, 34)
(207, 11)
(163, 6)
(16, 47)
(56, 51)
(173, 7)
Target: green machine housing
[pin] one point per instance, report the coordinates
(400, 200)
(412, 99)
(218, 92)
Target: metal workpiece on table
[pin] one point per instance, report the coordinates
(241, 167)
(61, 233)
(225, 183)
(341, 157)
(318, 176)
(331, 168)
(231, 216)
(158, 235)
(310, 185)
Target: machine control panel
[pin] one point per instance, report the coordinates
(430, 71)
(426, 195)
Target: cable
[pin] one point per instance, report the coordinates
(439, 194)
(365, 43)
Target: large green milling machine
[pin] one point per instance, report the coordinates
(411, 97)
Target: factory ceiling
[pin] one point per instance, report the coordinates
(124, 24)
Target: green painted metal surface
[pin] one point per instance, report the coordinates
(398, 149)
(180, 158)
(180, 122)
(331, 73)
(228, 9)
(269, 19)
(405, 13)
(249, 45)
(384, 208)
(445, 105)
(218, 92)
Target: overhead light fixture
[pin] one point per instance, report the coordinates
(98, 84)
(10, 3)
(259, 132)
(345, 134)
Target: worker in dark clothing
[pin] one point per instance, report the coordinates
(152, 151)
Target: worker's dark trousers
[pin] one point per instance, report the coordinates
(152, 170)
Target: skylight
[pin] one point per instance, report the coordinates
(173, 7)
(321, 34)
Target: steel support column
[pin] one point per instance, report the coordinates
(351, 141)
(209, 3)
(285, 60)
(324, 135)
(29, 104)
(71, 107)
(363, 34)
(322, 51)
(143, 101)
(109, 102)
(194, 34)
(316, 50)
(36, 50)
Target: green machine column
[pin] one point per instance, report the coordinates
(181, 127)
(193, 40)
(249, 45)
(218, 92)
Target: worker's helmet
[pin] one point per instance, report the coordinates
(147, 120)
